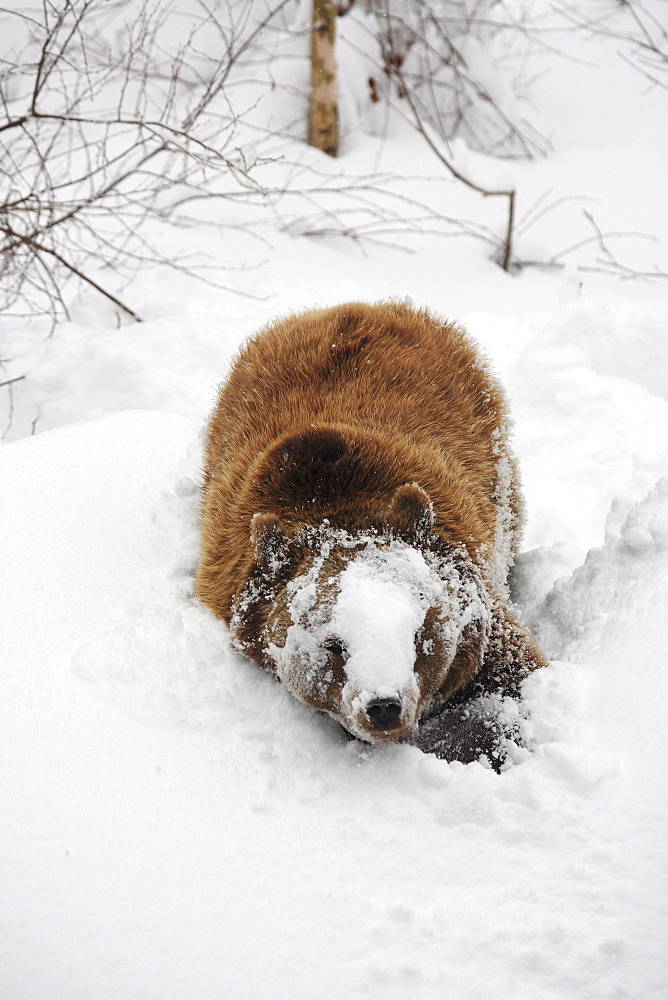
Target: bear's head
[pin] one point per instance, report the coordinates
(376, 627)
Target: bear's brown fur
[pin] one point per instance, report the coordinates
(372, 435)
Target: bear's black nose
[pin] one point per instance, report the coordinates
(384, 713)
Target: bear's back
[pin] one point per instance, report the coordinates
(325, 414)
(383, 368)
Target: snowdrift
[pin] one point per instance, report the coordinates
(177, 825)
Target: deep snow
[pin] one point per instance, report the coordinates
(175, 825)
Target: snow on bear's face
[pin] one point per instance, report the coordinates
(368, 628)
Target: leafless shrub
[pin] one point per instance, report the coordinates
(606, 260)
(638, 26)
(449, 66)
(107, 120)
(427, 50)
(460, 63)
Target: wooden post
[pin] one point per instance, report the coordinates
(323, 118)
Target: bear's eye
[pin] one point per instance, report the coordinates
(334, 646)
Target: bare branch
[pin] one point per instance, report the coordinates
(419, 124)
(12, 381)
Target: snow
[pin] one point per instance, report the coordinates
(377, 613)
(175, 824)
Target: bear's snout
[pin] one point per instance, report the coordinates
(384, 714)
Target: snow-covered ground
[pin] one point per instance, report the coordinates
(174, 825)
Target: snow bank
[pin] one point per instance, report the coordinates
(197, 832)
(610, 614)
(591, 415)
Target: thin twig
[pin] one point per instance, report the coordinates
(12, 381)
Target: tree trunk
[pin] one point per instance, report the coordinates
(323, 119)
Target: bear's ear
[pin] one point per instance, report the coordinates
(270, 543)
(411, 513)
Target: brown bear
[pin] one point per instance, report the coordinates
(360, 513)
